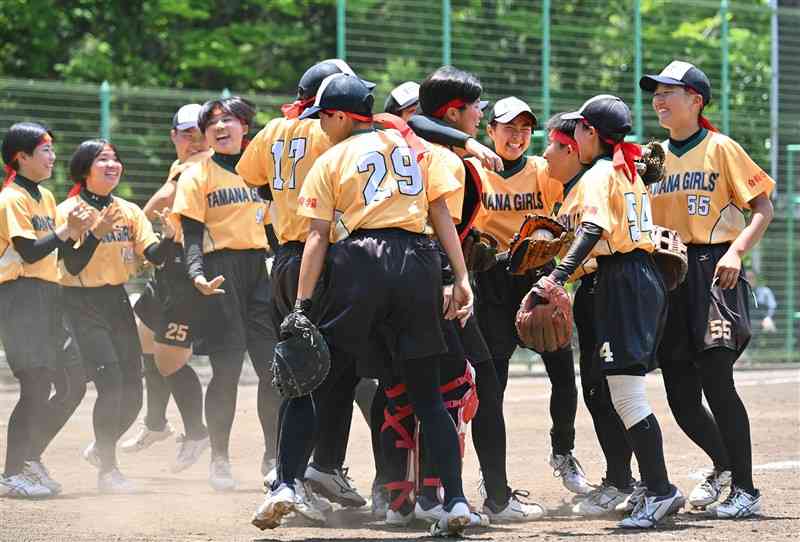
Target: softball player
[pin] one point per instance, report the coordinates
(96, 306)
(222, 220)
(29, 300)
(710, 183)
(613, 222)
(165, 312)
(374, 179)
(403, 100)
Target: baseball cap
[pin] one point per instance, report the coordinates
(402, 96)
(312, 78)
(186, 117)
(679, 73)
(342, 92)
(507, 109)
(607, 113)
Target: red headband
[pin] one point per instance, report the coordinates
(294, 109)
(354, 116)
(564, 139)
(702, 120)
(624, 156)
(11, 173)
(458, 103)
(395, 122)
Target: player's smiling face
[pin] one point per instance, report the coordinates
(675, 106)
(188, 143)
(225, 132)
(560, 160)
(105, 172)
(466, 119)
(512, 139)
(39, 165)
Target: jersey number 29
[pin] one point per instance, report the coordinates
(406, 170)
(639, 217)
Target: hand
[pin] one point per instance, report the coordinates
(106, 221)
(209, 288)
(487, 156)
(448, 307)
(462, 301)
(79, 220)
(167, 229)
(768, 325)
(726, 275)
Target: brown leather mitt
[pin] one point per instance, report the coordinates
(651, 165)
(480, 251)
(539, 240)
(544, 318)
(670, 256)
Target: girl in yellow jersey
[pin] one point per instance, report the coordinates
(710, 183)
(222, 219)
(523, 187)
(98, 314)
(29, 304)
(630, 297)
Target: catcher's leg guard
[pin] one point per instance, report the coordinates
(398, 442)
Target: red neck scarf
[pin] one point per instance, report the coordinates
(294, 109)
(395, 122)
(624, 156)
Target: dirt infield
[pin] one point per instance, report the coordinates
(183, 507)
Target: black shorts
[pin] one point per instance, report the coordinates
(169, 304)
(630, 308)
(382, 298)
(30, 324)
(702, 316)
(284, 278)
(101, 322)
(242, 315)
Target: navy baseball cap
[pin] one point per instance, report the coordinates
(682, 74)
(607, 113)
(342, 92)
(312, 78)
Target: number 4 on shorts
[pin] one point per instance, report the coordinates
(606, 353)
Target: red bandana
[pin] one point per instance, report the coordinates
(294, 109)
(395, 122)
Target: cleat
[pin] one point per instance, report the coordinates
(21, 486)
(220, 476)
(334, 486)
(514, 510)
(277, 504)
(114, 481)
(710, 490)
(454, 521)
(571, 473)
(601, 501)
(427, 510)
(270, 479)
(738, 504)
(35, 470)
(308, 504)
(650, 509)
(380, 500)
(89, 455)
(145, 438)
(476, 519)
(630, 502)
(397, 518)
(189, 452)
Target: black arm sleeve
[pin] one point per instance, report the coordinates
(581, 247)
(157, 253)
(76, 260)
(33, 250)
(193, 246)
(437, 131)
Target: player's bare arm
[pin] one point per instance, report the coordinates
(461, 306)
(161, 200)
(730, 264)
(313, 257)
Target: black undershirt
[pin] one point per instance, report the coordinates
(682, 143)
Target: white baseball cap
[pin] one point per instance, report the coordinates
(507, 109)
(186, 117)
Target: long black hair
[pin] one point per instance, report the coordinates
(21, 137)
(81, 162)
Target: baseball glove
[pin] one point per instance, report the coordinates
(544, 319)
(532, 248)
(651, 165)
(670, 256)
(302, 359)
(480, 251)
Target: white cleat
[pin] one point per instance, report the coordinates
(220, 475)
(710, 490)
(189, 452)
(453, 522)
(144, 438)
(738, 504)
(114, 481)
(276, 505)
(270, 479)
(308, 505)
(334, 486)
(396, 518)
(21, 486)
(601, 501)
(35, 470)
(571, 473)
(89, 455)
(514, 511)
(650, 509)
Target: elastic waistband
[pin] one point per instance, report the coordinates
(636, 254)
(291, 246)
(716, 246)
(387, 233)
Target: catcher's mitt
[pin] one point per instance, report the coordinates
(301, 361)
(480, 251)
(670, 256)
(651, 165)
(544, 319)
(539, 240)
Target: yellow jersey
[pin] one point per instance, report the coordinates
(568, 213)
(708, 185)
(453, 163)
